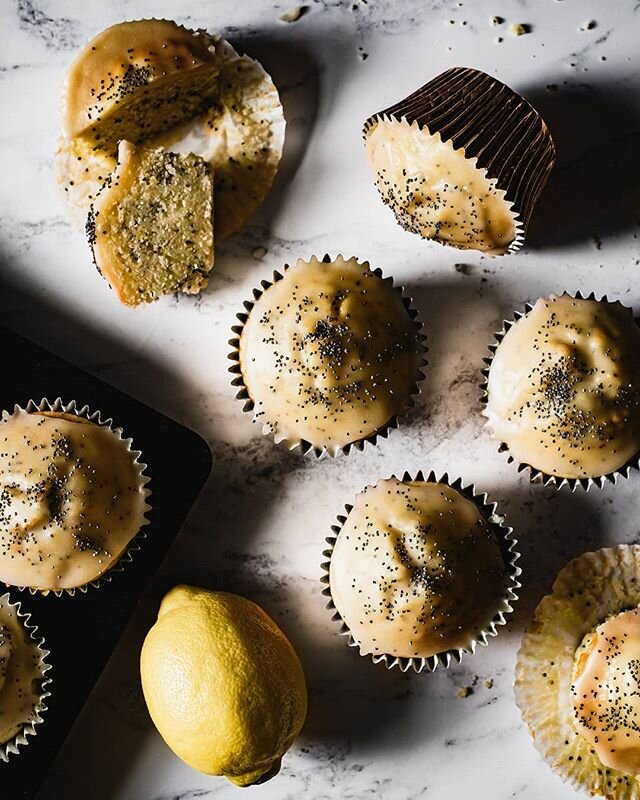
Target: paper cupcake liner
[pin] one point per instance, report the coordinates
(302, 446)
(491, 123)
(537, 475)
(587, 591)
(510, 555)
(20, 740)
(134, 545)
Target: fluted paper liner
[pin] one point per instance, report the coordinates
(587, 591)
(510, 555)
(302, 446)
(491, 123)
(97, 418)
(537, 475)
(20, 740)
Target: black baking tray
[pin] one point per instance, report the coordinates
(82, 631)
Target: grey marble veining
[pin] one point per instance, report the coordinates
(259, 526)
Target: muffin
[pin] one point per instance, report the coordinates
(151, 226)
(563, 389)
(22, 678)
(421, 571)
(137, 79)
(461, 161)
(577, 674)
(328, 355)
(219, 105)
(72, 498)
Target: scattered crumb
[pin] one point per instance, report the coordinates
(464, 691)
(362, 55)
(488, 684)
(474, 681)
(294, 14)
(496, 20)
(589, 25)
(597, 242)
(552, 87)
(451, 22)
(463, 269)
(499, 39)
(519, 29)
(259, 253)
(464, 22)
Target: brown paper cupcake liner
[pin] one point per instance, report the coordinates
(508, 544)
(96, 417)
(20, 740)
(585, 593)
(491, 123)
(537, 475)
(302, 446)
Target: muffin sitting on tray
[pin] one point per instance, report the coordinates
(563, 389)
(328, 355)
(156, 84)
(461, 161)
(72, 498)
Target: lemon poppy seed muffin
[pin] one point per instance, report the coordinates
(563, 388)
(72, 498)
(151, 226)
(461, 161)
(329, 354)
(416, 570)
(578, 678)
(22, 672)
(137, 79)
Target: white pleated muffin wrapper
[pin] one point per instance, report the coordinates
(301, 445)
(538, 475)
(97, 418)
(264, 107)
(20, 740)
(586, 592)
(510, 555)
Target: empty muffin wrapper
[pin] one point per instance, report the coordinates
(537, 475)
(510, 555)
(585, 593)
(126, 556)
(301, 445)
(20, 740)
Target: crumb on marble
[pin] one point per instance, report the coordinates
(519, 28)
(463, 269)
(488, 684)
(259, 253)
(496, 20)
(589, 25)
(464, 691)
(294, 14)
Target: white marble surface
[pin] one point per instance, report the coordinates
(260, 524)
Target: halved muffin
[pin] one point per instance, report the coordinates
(151, 225)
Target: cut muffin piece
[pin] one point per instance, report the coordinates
(137, 79)
(151, 225)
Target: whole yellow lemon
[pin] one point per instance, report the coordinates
(223, 684)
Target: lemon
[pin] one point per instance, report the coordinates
(223, 684)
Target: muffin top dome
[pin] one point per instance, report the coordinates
(72, 497)
(606, 691)
(564, 387)
(329, 354)
(416, 570)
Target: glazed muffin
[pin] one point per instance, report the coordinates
(22, 678)
(563, 389)
(151, 226)
(328, 355)
(417, 570)
(72, 499)
(461, 161)
(577, 679)
(137, 79)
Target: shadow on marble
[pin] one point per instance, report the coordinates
(593, 191)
